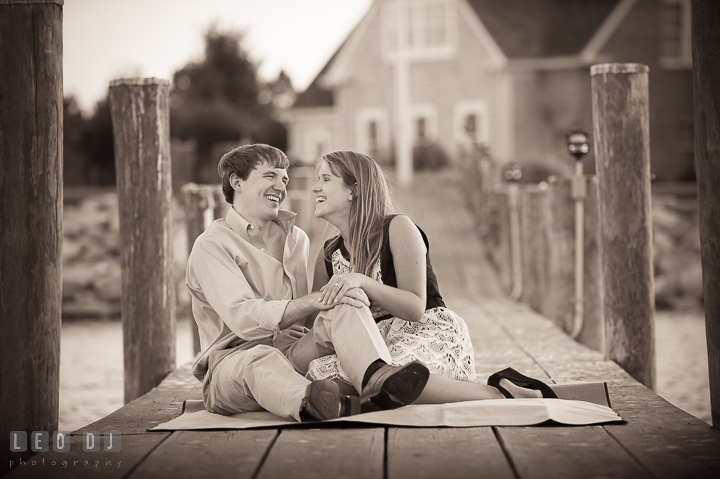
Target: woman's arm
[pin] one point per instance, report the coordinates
(408, 300)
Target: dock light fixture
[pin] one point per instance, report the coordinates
(512, 173)
(578, 145)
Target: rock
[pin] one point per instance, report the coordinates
(88, 305)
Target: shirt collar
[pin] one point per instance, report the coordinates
(285, 219)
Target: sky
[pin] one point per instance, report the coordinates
(108, 39)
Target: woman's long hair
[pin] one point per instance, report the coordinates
(371, 203)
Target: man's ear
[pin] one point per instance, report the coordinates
(235, 182)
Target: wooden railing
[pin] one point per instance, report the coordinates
(617, 302)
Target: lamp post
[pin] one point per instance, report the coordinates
(578, 146)
(513, 174)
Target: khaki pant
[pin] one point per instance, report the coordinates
(257, 376)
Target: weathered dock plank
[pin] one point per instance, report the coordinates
(161, 404)
(336, 453)
(78, 464)
(443, 452)
(567, 452)
(196, 454)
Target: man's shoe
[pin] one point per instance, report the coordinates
(392, 387)
(323, 400)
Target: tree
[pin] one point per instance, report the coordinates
(98, 146)
(216, 100)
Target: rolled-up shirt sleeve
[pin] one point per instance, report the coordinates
(221, 279)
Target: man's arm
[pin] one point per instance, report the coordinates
(214, 273)
(222, 282)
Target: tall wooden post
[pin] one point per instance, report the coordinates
(622, 152)
(141, 129)
(706, 83)
(31, 138)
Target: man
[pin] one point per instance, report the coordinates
(248, 279)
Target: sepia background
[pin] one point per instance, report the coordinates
(490, 82)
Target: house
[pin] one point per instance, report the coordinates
(512, 75)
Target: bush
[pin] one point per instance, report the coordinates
(429, 156)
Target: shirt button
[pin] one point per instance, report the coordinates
(252, 227)
(262, 250)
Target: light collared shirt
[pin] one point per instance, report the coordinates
(239, 291)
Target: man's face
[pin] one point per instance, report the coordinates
(262, 193)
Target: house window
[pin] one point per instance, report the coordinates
(675, 40)
(471, 123)
(420, 127)
(372, 136)
(470, 126)
(424, 119)
(428, 27)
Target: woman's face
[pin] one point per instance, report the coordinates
(332, 201)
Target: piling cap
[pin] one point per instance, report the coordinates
(618, 68)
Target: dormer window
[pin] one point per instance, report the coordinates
(675, 40)
(429, 27)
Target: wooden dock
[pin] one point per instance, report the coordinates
(657, 441)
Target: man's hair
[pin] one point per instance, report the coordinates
(243, 159)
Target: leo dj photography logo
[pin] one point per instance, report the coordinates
(40, 441)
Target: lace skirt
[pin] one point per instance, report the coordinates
(440, 340)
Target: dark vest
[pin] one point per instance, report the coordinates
(387, 268)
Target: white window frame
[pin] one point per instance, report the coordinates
(684, 58)
(363, 118)
(417, 25)
(480, 109)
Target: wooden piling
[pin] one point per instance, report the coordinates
(535, 231)
(622, 153)
(559, 300)
(203, 204)
(31, 196)
(141, 128)
(706, 92)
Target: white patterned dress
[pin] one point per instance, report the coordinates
(440, 340)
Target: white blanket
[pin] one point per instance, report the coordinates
(494, 412)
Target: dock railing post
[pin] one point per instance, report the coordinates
(706, 88)
(141, 129)
(622, 152)
(31, 208)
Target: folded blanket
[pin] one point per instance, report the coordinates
(494, 412)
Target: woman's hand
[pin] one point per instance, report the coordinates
(339, 286)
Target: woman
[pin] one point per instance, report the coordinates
(386, 255)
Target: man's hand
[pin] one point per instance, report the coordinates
(354, 297)
(289, 336)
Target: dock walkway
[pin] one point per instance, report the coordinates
(658, 440)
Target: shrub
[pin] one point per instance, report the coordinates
(429, 156)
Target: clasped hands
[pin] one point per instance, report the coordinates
(345, 288)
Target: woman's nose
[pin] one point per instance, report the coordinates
(315, 188)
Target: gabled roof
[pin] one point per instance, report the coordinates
(317, 95)
(521, 29)
(542, 28)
